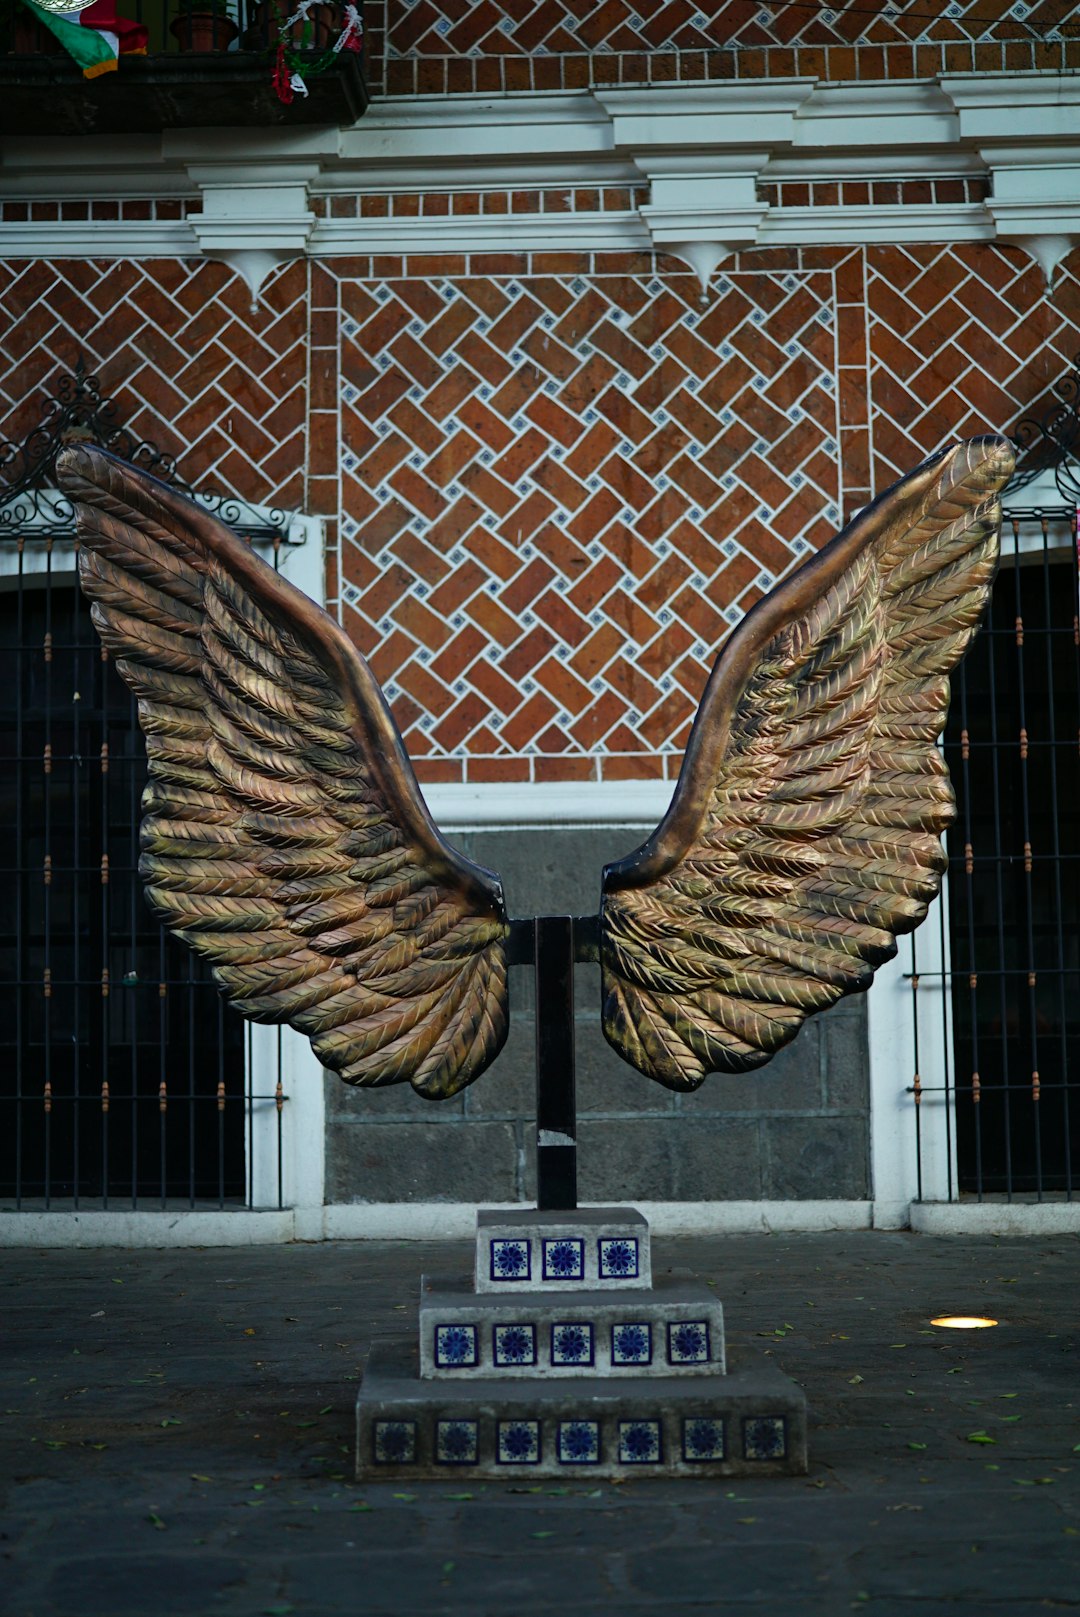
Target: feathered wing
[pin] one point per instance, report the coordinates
(805, 831)
(284, 837)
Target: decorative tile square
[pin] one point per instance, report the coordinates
(639, 1442)
(395, 1442)
(702, 1438)
(510, 1260)
(688, 1342)
(456, 1442)
(631, 1343)
(514, 1344)
(618, 1258)
(455, 1347)
(518, 1442)
(765, 1437)
(564, 1259)
(579, 1442)
(572, 1343)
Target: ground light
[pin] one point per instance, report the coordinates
(963, 1322)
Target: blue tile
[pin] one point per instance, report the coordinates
(631, 1343)
(455, 1347)
(765, 1437)
(703, 1438)
(394, 1442)
(518, 1442)
(618, 1257)
(688, 1342)
(639, 1442)
(578, 1442)
(564, 1259)
(572, 1343)
(510, 1260)
(456, 1442)
(514, 1344)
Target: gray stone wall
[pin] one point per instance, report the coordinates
(796, 1129)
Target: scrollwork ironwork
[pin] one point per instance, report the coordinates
(31, 502)
(1052, 443)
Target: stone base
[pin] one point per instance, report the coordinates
(675, 1328)
(588, 1249)
(750, 1422)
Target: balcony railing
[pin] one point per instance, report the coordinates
(184, 64)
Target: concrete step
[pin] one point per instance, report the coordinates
(675, 1328)
(591, 1248)
(751, 1421)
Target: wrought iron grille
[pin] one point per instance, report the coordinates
(124, 1081)
(1008, 987)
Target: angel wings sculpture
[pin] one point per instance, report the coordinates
(285, 840)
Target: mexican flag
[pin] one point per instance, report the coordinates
(93, 35)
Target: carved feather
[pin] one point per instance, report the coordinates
(284, 837)
(804, 833)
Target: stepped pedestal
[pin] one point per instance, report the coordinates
(562, 1356)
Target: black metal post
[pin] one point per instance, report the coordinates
(556, 1113)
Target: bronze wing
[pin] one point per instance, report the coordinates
(284, 837)
(805, 830)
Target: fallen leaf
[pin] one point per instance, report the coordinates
(155, 1520)
(855, 1381)
(980, 1437)
(408, 1497)
(171, 1421)
(545, 1534)
(916, 1445)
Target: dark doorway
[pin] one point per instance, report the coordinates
(1014, 878)
(121, 1073)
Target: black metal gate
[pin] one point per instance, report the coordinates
(1013, 746)
(123, 1079)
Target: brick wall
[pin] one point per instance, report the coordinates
(453, 46)
(550, 485)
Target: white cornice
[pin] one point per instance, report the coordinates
(696, 151)
(483, 233)
(837, 226)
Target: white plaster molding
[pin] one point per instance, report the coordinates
(255, 216)
(700, 118)
(1040, 106)
(891, 117)
(617, 231)
(841, 225)
(98, 238)
(518, 805)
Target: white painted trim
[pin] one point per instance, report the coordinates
(844, 225)
(900, 1135)
(996, 1218)
(483, 233)
(138, 1229)
(520, 805)
(396, 1221)
(98, 238)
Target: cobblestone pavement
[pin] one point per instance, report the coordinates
(177, 1428)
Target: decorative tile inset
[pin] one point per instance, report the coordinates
(639, 1442)
(618, 1258)
(510, 1260)
(631, 1344)
(765, 1437)
(395, 1442)
(456, 1442)
(572, 1343)
(455, 1347)
(564, 1259)
(688, 1342)
(703, 1439)
(514, 1344)
(579, 1442)
(518, 1442)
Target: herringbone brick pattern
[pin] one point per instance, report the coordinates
(193, 368)
(560, 492)
(558, 27)
(962, 340)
